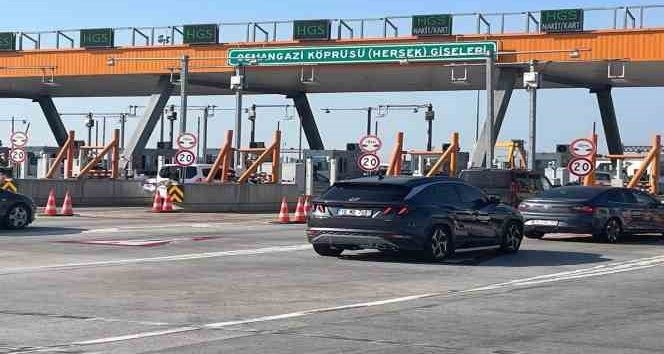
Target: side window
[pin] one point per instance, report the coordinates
(437, 194)
(614, 196)
(190, 172)
(471, 196)
(426, 196)
(645, 199)
(628, 197)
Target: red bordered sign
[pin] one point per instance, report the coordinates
(580, 166)
(185, 158)
(368, 162)
(187, 141)
(370, 143)
(582, 148)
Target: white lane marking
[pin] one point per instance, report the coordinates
(607, 269)
(181, 257)
(163, 226)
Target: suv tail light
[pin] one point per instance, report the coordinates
(403, 211)
(388, 211)
(584, 209)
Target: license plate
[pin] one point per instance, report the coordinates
(542, 222)
(355, 212)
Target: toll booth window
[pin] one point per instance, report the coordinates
(190, 172)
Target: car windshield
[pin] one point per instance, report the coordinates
(582, 193)
(382, 193)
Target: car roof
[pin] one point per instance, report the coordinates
(407, 181)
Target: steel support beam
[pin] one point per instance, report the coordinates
(153, 111)
(307, 120)
(53, 119)
(502, 94)
(609, 120)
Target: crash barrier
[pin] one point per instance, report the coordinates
(88, 192)
(651, 166)
(223, 160)
(68, 151)
(449, 155)
(9, 185)
(236, 197)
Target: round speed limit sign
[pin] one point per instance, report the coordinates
(185, 158)
(368, 162)
(17, 155)
(580, 166)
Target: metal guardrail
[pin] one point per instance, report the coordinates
(622, 17)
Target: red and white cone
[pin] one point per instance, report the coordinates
(168, 205)
(51, 209)
(67, 207)
(299, 212)
(283, 212)
(307, 206)
(156, 204)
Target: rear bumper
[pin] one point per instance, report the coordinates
(564, 224)
(362, 239)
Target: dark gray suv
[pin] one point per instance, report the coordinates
(436, 216)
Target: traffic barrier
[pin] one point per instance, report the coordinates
(9, 185)
(51, 209)
(156, 204)
(283, 212)
(307, 206)
(67, 207)
(167, 207)
(299, 212)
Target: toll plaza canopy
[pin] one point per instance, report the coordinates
(407, 53)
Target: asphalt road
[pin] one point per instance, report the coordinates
(132, 282)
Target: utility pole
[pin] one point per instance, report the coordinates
(206, 114)
(237, 84)
(13, 125)
(184, 77)
(123, 121)
(252, 120)
(103, 130)
(89, 123)
(429, 115)
(172, 116)
(161, 128)
(369, 109)
(490, 108)
(531, 81)
(198, 134)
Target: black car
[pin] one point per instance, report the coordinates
(16, 211)
(605, 212)
(435, 216)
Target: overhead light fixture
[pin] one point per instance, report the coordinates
(575, 54)
(110, 61)
(326, 110)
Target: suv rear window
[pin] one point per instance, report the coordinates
(382, 193)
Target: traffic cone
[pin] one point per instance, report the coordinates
(67, 207)
(51, 209)
(168, 205)
(283, 213)
(307, 206)
(299, 212)
(156, 204)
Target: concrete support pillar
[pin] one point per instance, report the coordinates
(156, 104)
(53, 118)
(609, 120)
(502, 94)
(307, 120)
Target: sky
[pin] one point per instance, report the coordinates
(563, 114)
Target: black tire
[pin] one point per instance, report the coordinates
(512, 237)
(17, 217)
(439, 245)
(327, 251)
(612, 232)
(534, 234)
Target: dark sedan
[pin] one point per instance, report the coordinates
(436, 216)
(607, 213)
(16, 211)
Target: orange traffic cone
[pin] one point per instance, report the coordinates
(51, 209)
(168, 205)
(307, 206)
(299, 212)
(67, 207)
(283, 213)
(156, 204)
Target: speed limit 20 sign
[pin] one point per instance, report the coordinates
(18, 155)
(185, 158)
(580, 166)
(368, 162)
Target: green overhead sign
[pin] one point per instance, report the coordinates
(97, 38)
(7, 41)
(354, 54)
(200, 34)
(432, 25)
(312, 30)
(561, 21)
